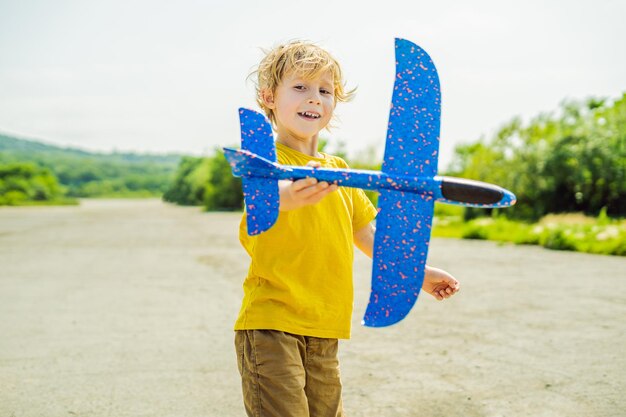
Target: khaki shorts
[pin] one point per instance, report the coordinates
(286, 375)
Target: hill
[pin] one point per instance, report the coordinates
(83, 173)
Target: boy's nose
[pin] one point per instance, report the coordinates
(314, 101)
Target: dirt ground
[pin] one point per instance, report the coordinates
(125, 308)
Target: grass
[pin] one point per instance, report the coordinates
(63, 201)
(572, 231)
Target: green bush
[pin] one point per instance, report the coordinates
(223, 191)
(189, 182)
(559, 238)
(475, 231)
(602, 235)
(21, 183)
(206, 181)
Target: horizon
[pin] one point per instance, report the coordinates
(91, 151)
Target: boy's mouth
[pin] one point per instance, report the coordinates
(309, 115)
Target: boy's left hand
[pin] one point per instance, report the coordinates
(439, 283)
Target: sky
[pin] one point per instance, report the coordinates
(156, 76)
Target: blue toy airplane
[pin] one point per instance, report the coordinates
(408, 184)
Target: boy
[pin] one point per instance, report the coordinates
(298, 292)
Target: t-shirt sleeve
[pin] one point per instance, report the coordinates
(246, 240)
(364, 210)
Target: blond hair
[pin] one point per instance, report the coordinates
(304, 59)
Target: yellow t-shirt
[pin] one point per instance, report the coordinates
(300, 275)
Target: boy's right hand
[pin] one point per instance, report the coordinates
(304, 192)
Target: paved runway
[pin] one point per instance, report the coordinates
(125, 308)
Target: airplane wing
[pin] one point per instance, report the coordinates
(412, 146)
(404, 221)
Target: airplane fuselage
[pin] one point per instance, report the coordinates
(441, 188)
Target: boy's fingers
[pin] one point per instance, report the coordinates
(328, 188)
(304, 183)
(311, 188)
(319, 191)
(451, 282)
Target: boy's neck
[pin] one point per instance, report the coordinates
(305, 146)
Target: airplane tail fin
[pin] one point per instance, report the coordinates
(260, 194)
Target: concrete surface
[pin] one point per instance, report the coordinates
(125, 308)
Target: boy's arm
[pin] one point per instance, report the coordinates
(300, 193)
(364, 239)
(437, 282)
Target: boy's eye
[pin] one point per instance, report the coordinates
(299, 87)
(324, 91)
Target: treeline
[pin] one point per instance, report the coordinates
(571, 161)
(72, 173)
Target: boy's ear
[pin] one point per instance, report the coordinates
(268, 99)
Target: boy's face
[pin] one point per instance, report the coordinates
(302, 107)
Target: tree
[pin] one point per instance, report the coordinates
(574, 161)
(189, 182)
(223, 191)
